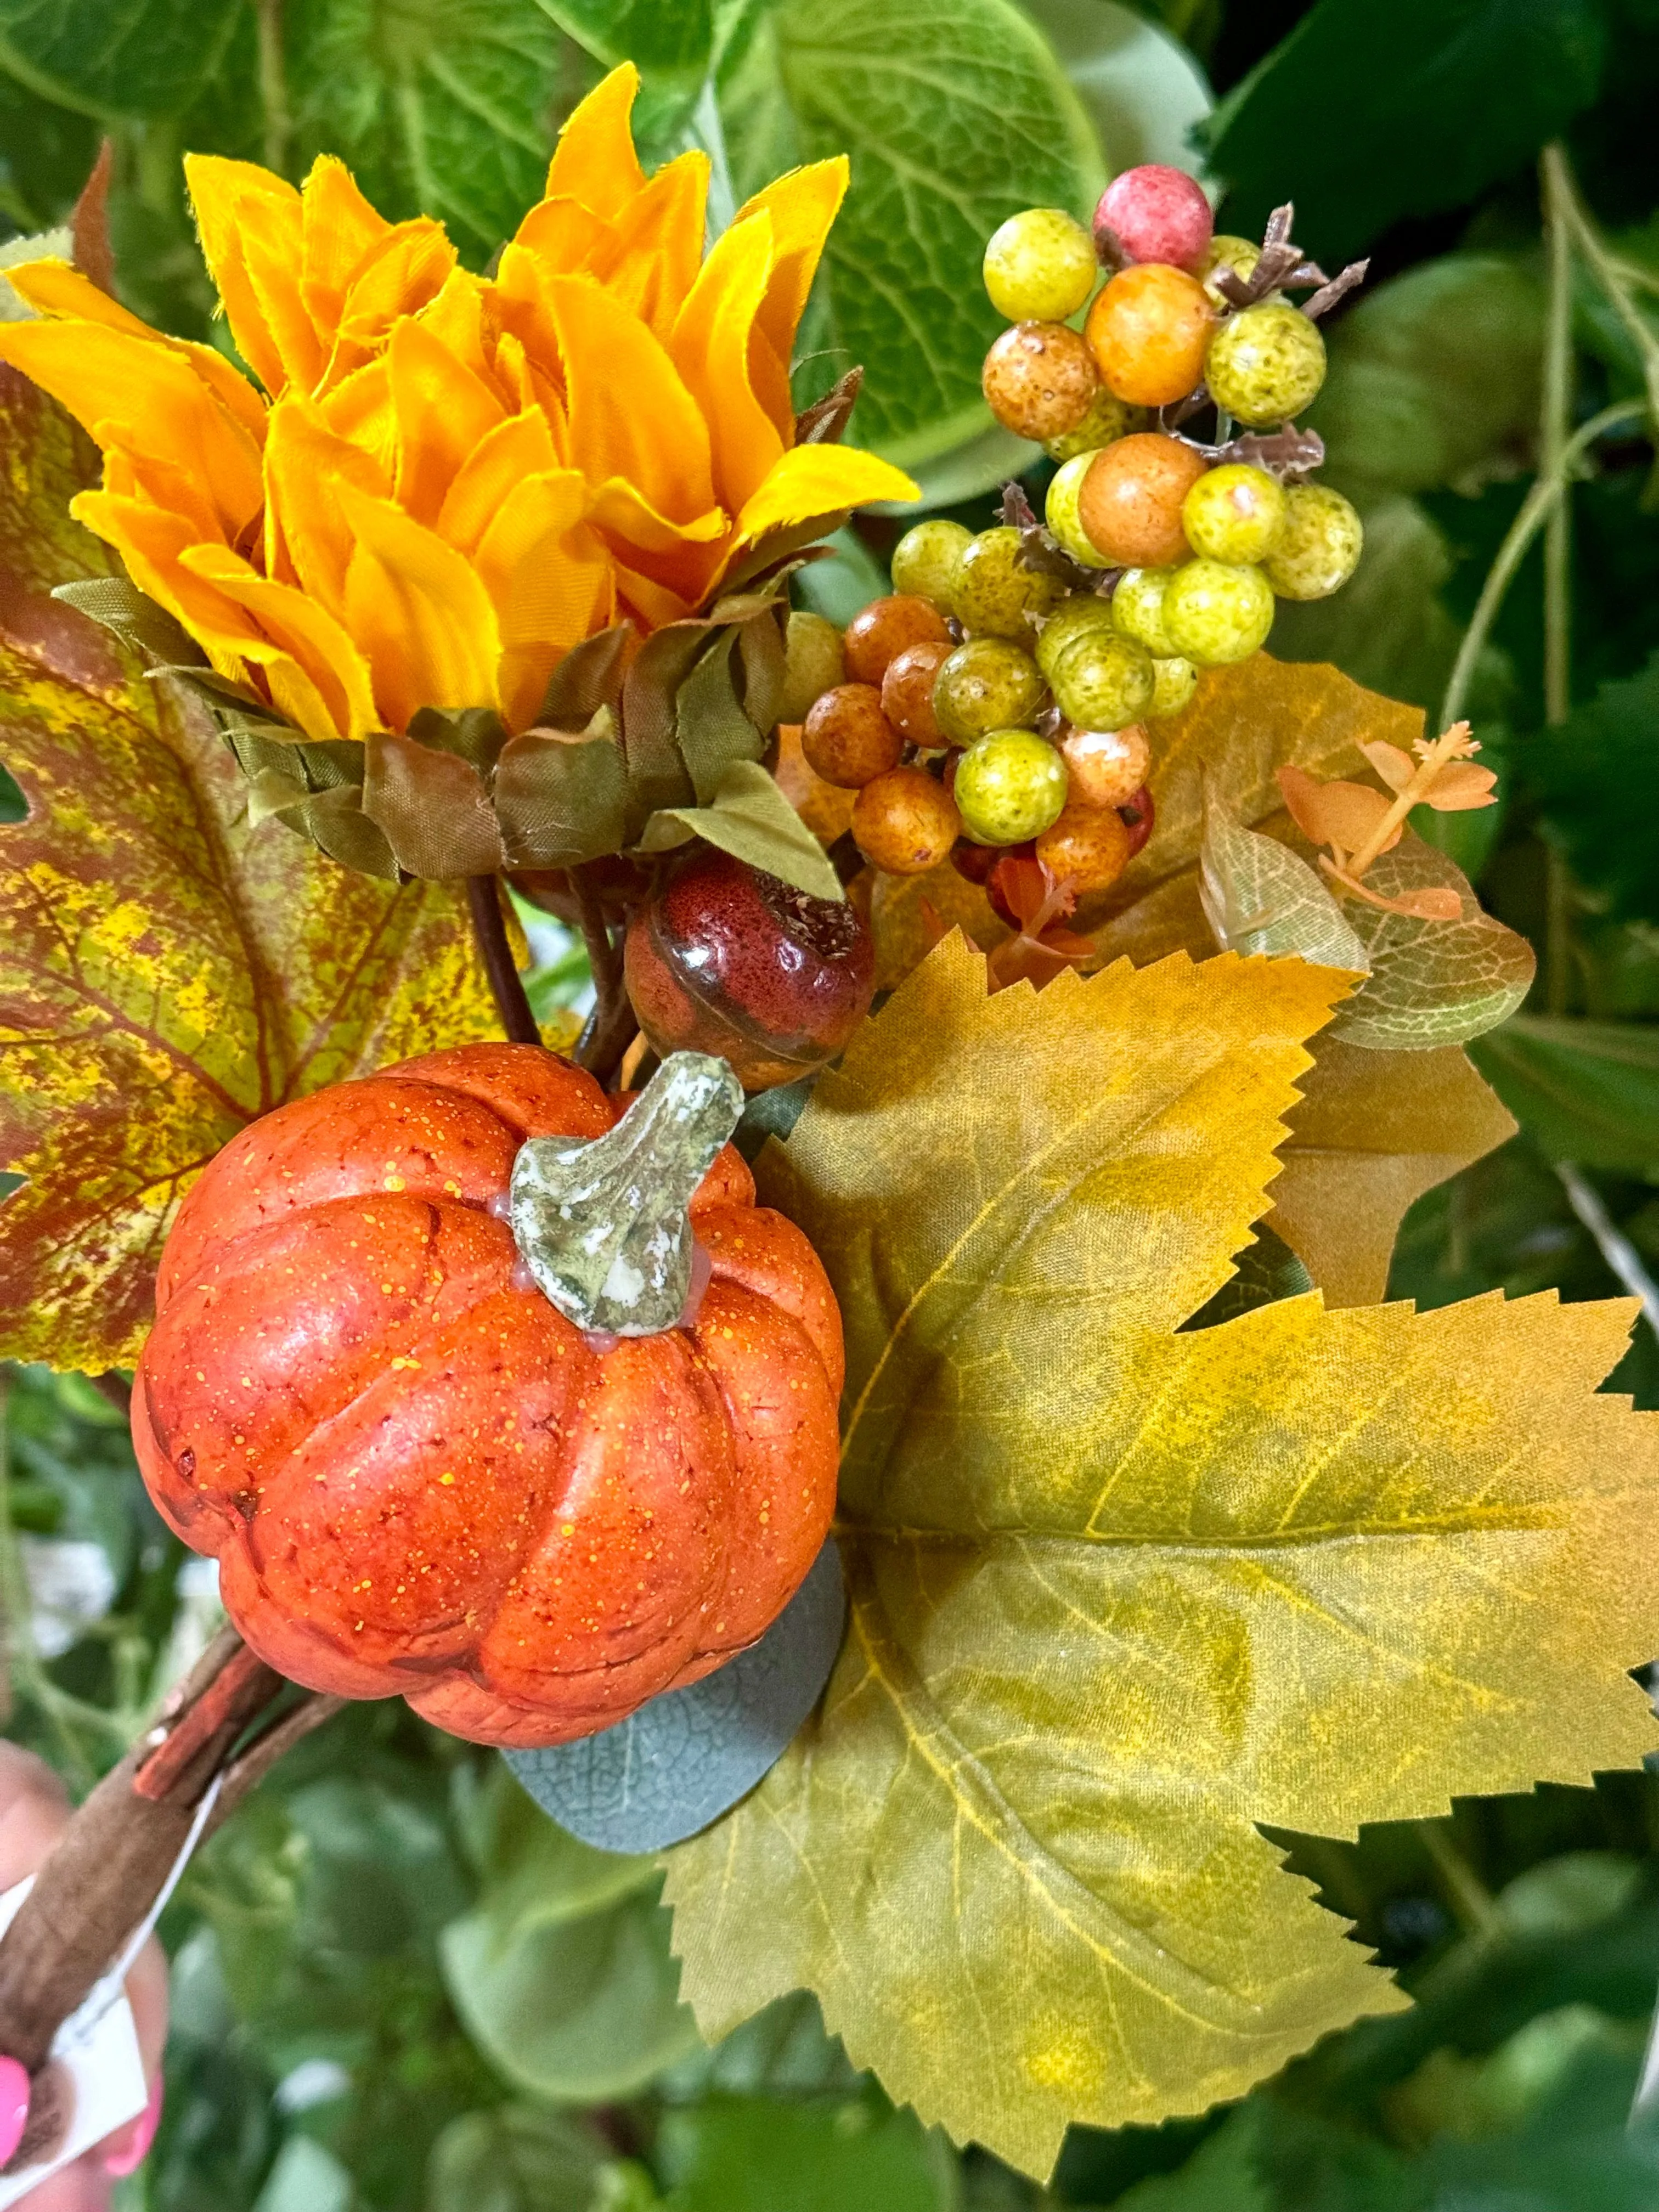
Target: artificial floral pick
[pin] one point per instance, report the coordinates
(448, 481)
(1359, 824)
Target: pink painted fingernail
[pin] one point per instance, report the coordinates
(14, 2105)
(120, 2163)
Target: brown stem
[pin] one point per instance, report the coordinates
(484, 904)
(107, 1869)
(611, 1026)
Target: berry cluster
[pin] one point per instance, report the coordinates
(1001, 696)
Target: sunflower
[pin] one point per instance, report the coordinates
(441, 483)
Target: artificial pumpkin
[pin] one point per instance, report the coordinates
(418, 1476)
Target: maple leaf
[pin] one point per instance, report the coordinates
(165, 973)
(1120, 1592)
(1372, 1132)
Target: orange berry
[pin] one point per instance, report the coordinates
(1129, 502)
(905, 822)
(1107, 767)
(1039, 380)
(1148, 331)
(846, 739)
(1089, 844)
(907, 691)
(878, 633)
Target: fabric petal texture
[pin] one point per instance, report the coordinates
(415, 487)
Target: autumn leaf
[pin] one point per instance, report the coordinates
(1245, 724)
(165, 973)
(1372, 1132)
(1120, 1593)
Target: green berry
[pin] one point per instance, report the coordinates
(1108, 419)
(813, 665)
(1320, 547)
(1081, 613)
(1234, 513)
(1265, 363)
(1060, 513)
(1138, 607)
(1216, 613)
(1040, 266)
(1174, 682)
(997, 595)
(1226, 251)
(989, 684)
(1103, 680)
(1009, 785)
(926, 561)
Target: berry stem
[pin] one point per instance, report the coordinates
(484, 904)
(611, 1025)
(1554, 427)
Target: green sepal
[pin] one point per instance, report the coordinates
(562, 796)
(750, 818)
(601, 1224)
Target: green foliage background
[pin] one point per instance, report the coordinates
(396, 1986)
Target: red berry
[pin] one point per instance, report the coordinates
(977, 862)
(1153, 213)
(730, 960)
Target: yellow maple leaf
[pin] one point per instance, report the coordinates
(1121, 1592)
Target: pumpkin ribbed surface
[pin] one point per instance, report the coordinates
(420, 1478)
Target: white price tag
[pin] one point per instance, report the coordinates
(97, 2048)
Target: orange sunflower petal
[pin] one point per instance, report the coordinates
(630, 413)
(521, 447)
(594, 161)
(817, 482)
(226, 195)
(649, 257)
(561, 233)
(54, 288)
(132, 391)
(710, 349)
(340, 230)
(551, 583)
(336, 674)
(409, 268)
(443, 411)
(151, 542)
(418, 611)
(803, 206)
(305, 462)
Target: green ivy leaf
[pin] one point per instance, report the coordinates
(116, 57)
(1324, 120)
(447, 108)
(1145, 93)
(514, 2158)
(1597, 781)
(1587, 1092)
(955, 119)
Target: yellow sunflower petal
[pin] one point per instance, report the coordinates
(360, 409)
(305, 462)
(409, 267)
(272, 267)
(649, 257)
(225, 196)
(151, 543)
(820, 480)
(132, 391)
(710, 349)
(443, 411)
(419, 612)
(623, 512)
(650, 604)
(456, 318)
(336, 672)
(594, 161)
(521, 447)
(53, 287)
(518, 375)
(802, 206)
(561, 233)
(550, 579)
(340, 231)
(630, 413)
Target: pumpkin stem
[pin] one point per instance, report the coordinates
(601, 1223)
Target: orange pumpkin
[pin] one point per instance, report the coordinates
(417, 1476)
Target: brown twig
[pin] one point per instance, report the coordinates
(484, 904)
(611, 1026)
